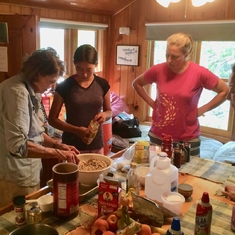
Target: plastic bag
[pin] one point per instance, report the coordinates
(125, 159)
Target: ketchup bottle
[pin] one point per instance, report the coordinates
(167, 145)
(203, 216)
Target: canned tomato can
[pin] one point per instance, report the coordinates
(233, 219)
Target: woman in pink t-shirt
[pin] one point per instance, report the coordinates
(179, 84)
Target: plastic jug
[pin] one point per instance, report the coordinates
(163, 177)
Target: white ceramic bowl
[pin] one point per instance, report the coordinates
(173, 201)
(142, 171)
(91, 177)
(45, 203)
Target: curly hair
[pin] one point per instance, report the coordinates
(44, 62)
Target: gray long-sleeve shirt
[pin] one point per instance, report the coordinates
(20, 121)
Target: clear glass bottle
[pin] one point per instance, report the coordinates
(184, 153)
(133, 179)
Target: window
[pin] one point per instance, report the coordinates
(86, 37)
(218, 57)
(53, 38)
(65, 41)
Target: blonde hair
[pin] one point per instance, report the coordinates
(183, 41)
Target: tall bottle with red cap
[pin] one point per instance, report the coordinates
(203, 216)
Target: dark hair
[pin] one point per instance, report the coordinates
(44, 62)
(85, 53)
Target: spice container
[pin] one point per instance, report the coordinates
(19, 208)
(34, 213)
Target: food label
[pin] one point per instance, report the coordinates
(203, 220)
(108, 196)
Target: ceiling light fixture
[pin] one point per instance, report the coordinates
(195, 3)
(164, 3)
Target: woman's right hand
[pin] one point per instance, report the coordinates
(68, 156)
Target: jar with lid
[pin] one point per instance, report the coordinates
(19, 208)
(34, 213)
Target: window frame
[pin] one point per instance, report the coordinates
(70, 45)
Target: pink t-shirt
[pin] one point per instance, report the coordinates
(175, 111)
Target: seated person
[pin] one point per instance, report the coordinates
(230, 189)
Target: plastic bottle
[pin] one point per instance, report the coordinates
(203, 216)
(162, 178)
(175, 228)
(132, 179)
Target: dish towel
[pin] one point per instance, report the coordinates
(221, 219)
(217, 172)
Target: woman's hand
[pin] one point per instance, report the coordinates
(68, 156)
(229, 191)
(58, 145)
(100, 117)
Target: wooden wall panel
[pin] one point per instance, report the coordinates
(22, 41)
(149, 11)
(53, 13)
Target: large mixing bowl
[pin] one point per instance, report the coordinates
(35, 229)
(90, 177)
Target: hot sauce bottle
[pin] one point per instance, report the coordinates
(203, 216)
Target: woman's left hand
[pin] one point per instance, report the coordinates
(100, 117)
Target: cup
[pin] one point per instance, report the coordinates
(173, 201)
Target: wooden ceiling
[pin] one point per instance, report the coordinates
(107, 7)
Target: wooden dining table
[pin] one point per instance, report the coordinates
(199, 184)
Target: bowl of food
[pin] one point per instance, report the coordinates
(186, 190)
(35, 229)
(91, 165)
(142, 171)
